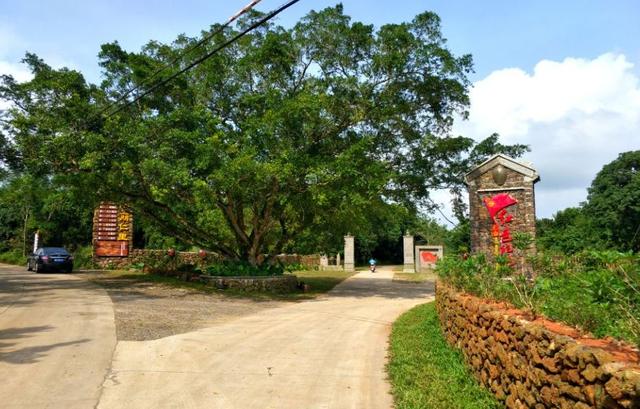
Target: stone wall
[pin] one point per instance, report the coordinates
(138, 256)
(538, 364)
(278, 284)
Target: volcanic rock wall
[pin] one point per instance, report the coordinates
(532, 364)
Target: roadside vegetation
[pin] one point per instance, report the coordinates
(425, 372)
(596, 291)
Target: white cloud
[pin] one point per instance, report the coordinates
(576, 115)
(18, 71)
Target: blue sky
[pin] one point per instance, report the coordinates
(562, 76)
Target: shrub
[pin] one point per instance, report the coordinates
(13, 256)
(83, 257)
(597, 291)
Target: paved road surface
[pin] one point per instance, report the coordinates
(57, 337)
(327, 353)
(57, 340)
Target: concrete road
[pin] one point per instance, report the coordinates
(57, 337)
(328, 353)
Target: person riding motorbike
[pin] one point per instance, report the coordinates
(372, 265)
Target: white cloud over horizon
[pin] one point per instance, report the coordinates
(576, 115)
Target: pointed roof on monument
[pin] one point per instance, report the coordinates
(524, 169)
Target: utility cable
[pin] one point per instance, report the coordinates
(208, 55)
(208, 37)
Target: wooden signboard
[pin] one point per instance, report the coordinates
(112, 230)
(105, 248)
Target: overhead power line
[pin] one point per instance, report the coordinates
(180, 56)
(208, 55)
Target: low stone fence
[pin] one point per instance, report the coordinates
(536, 363)
(139, 256)
(286, 283)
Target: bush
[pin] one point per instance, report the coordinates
(13, 256)
(83, 257)
(597, 291)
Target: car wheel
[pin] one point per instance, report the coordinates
(68, 270)
(29, 266)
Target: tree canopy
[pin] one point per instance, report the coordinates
(609, 219)
(285, 140)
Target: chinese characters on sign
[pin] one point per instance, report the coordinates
(500, 231)
(113, 227)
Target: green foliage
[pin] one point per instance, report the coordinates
(610, 219)
(289, 139)
(458, 239)
(13, 256)
(598, 291)
(570, 231)
(241, 269)
(613, 203)
(476, 275)
(427, 373)
(83, 257)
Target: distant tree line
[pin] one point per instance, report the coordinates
(608, 220)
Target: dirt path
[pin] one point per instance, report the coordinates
(146, 311)
(325, 353)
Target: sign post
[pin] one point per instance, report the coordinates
(36, 240)
(112, 231)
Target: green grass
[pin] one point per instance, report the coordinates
(425, 372)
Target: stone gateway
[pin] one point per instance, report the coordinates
(501, 206)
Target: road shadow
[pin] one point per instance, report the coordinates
(29, 355)
(18, 288)
(10, 337)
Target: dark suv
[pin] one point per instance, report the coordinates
(50, 259)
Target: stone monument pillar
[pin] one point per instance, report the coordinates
(409, 256)
(501, 206)
(349, 256)
(324, 262)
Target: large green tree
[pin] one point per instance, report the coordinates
(613, 203)
(288, 133)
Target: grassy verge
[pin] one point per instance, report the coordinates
(425, 372)
(320, 282)
(13, 257)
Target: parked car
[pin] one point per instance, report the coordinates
(50, 259)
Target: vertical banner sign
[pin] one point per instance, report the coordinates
(500, 231)
(112, 230)
(36, 241)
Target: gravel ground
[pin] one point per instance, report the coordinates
(146, 311)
